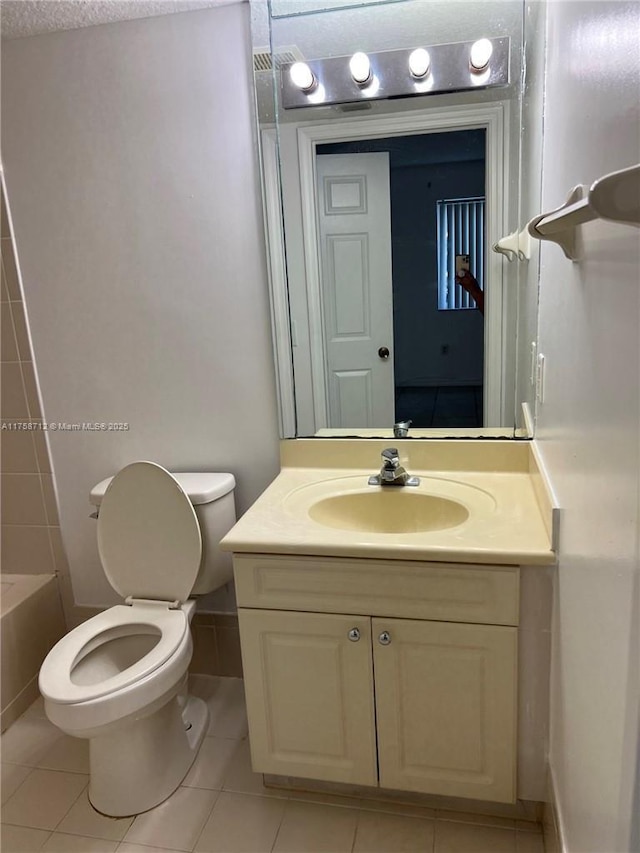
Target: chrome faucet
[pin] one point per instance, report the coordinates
(392, 473)
(401, 429)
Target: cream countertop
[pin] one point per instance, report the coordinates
(500, 484)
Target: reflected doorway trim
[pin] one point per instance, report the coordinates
(493, 118)
(278, 292)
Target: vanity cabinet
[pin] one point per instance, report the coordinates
(345, 684)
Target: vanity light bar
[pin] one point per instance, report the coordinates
(449, 68)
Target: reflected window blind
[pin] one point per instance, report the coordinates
(460, 232)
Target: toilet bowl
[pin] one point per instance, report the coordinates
(119, 679)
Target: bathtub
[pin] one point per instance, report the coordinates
(31, 623)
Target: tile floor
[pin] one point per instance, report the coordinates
(440, 405)
(221, 807)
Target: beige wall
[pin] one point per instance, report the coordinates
(588, 428)
(131, 168)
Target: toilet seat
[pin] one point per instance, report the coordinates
(149, 537)
(56, 682)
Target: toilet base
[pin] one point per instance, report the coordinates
(139, 766)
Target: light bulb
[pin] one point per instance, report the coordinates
(481, 51)
(420, 62)
(302, 76)
(360, 68)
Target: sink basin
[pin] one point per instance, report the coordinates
(390, 510)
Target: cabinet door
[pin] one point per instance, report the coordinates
(446, 707)
(309, 692)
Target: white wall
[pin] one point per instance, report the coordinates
(130, 160)
(588, 426)
(529, 199)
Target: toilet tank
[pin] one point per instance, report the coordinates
(212, 496)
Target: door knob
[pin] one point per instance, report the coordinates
(383, 352)
(385, 638)
(354, 635)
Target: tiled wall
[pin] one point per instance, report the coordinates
(31, 542)
(216, 645)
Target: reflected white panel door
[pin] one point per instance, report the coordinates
(354, 215)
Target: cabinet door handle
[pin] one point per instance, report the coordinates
(354, 635)
(385, 638)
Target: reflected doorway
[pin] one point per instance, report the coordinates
(437, 330)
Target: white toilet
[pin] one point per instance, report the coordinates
(119, 679)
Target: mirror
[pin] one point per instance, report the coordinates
(370, 327)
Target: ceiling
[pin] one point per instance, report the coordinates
(20, 18)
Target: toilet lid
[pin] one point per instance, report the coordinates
(149, 538)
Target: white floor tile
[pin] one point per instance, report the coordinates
(177, 823)
(360, 803)
(83, 819)
(528, 826)
(471, 838)
(13, 775)
(214, 761)
(241, 824)
(312, 828)
(43, 799)
(28, 740)
(19, 839)
(58, 842)
(245, 818)
(385, 833)
(67, 753)
(241, 779)
(528, 842)
(36, 709)
(474, 818)
(127, 847)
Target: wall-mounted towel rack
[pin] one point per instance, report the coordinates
(615, 197)
(516, 245)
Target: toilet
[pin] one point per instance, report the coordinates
(119, 679)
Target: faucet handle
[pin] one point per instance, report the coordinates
(390, 457)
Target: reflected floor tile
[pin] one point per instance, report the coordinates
(83, 819)
(127, 847)
(13, 775)
(59, 842)
(67, 753)
(475, 818)
(213, 762)
(226, 703)
(176, 823)
(471, 838)
(241, 824)
(241, 779)
(312, 828)
(528, 842)
(360, 803)
(385, 833)
(28, 740)
(19, 839)
(44, 798)
(36, 709)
